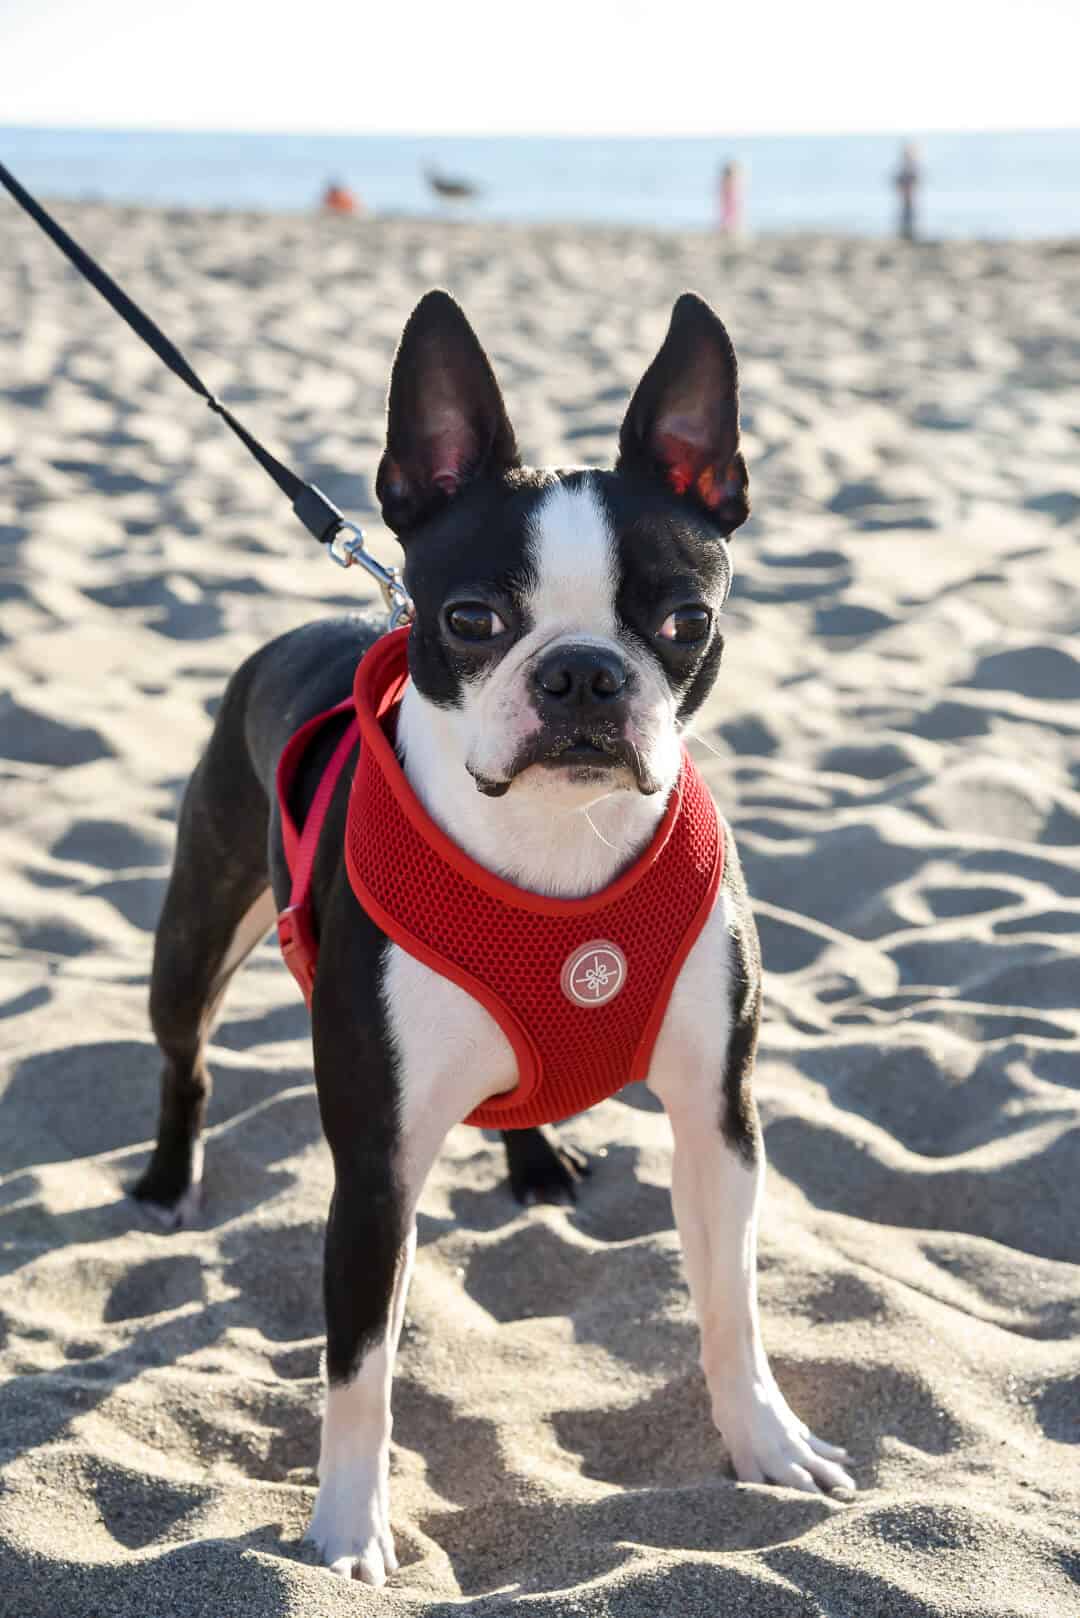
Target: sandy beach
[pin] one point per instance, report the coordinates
(895, 736)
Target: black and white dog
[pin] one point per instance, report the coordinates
(621, 575)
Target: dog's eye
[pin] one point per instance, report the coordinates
(471, 620)
(686, 624)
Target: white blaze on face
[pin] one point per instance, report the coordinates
(574, 561)
(575, 558)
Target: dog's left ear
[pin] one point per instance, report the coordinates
(682, 427)
(446, 421)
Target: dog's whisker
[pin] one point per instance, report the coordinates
(704, 740)
(593, 827)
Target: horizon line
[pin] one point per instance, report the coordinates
(897, 131)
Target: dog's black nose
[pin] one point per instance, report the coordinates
(580, 676)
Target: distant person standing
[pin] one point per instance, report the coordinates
(907, 180)
(730, 199)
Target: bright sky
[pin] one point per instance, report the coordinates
(552, 67)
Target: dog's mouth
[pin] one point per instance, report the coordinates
(581, 756)
(584, 749)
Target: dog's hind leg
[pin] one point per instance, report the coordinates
(217, 908)
(543, 1168)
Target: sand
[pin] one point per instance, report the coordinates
(896, 736)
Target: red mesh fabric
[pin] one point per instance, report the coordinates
(296, 931)
(508, 948)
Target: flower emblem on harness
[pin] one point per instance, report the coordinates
(596, 977)
(594, 973)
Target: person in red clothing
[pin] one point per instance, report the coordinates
(337, 198)
(730, 199)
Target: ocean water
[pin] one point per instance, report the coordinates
(991, 184)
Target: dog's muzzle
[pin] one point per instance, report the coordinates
(586, 754)
(581, 693)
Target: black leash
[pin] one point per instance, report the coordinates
(318, 514)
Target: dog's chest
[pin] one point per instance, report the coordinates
(447, 1045)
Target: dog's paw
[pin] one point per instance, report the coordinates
(179, 1215)
(170, 1192)
(354, 1541)
(769, 1444)
(544, 1170)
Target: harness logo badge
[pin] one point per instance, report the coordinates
(594, 973)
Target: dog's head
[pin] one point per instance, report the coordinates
(566, 621)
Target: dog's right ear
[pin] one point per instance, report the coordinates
(446, 421)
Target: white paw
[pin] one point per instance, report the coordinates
(769, 1444)
(353, 1536)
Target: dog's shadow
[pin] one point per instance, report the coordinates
(665, 1466)
(498, 1527)
(248, 1562)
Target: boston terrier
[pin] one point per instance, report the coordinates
(567, 628)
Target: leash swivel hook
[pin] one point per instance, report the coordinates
(347, 548)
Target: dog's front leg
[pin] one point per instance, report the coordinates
(715, 1193)
(367, 1266)
(392, 1079)
(717, 1175)
(379, 1170)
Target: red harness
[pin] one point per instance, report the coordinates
(579, 986)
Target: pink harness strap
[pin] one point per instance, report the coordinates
(295, 932)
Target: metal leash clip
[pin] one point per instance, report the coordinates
(347, 547)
